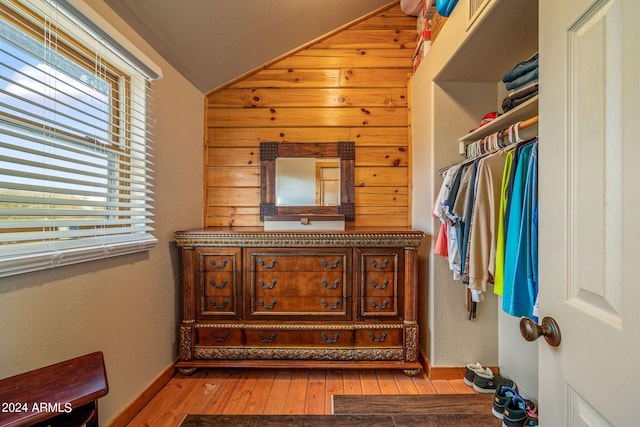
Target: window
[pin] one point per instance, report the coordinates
(75, 169)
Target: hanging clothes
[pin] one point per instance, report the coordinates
(484, 234)
(521, 270)
(468, 214)
(439, 211)
(487, 207)
(457, 216)
(498, 278)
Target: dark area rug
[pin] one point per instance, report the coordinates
(413, 404)
(287, 420)
(436, 410)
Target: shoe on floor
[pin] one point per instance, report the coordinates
(519, 412)
(470, 374)
(500, 398)
(486, 381)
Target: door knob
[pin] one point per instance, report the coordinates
(548, 328)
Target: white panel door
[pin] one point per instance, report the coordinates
(589, 221)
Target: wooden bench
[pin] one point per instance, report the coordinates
(63, 394)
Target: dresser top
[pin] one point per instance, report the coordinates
(256, 236)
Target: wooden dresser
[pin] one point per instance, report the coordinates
(301, 299)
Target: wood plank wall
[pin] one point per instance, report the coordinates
(349, 86)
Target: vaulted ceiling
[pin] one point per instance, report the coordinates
(211, 42)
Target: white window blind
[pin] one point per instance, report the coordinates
(75, 162)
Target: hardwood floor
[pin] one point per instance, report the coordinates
(277, 391)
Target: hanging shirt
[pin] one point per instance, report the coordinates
(445, 188)
(468, 212)
(498, 277)
(531, 220)
(441, 247)
(451, 224)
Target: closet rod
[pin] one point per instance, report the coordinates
(521, 125)
(526, 123)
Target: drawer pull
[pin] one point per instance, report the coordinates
(213, 283)
(220, 339)
(328, 286)
(331, 267)
(264, 265)
(330, 307)
(379, 307)
(381, 339)
(219, 307)
(380, 267)
(263, 339)
(329, 340)
(267, 307)
(375, 284)
(213, 263)
(273, 283)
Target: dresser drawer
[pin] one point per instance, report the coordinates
(219, 337)
(220, 306)
(299, 259)
(385, 262)
(380, 284)
(299, 284)
(299, 338)
(378, 337)
(378, 306)
(218, 259)
(218, 283)
(337, 307)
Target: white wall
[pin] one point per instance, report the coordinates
(442, 112)
(126, 306)
(444, 107)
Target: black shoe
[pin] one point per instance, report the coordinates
(500, 398)
(487, 382)
(519, 412)
(470, 374)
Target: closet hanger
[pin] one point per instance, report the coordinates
(494, 143)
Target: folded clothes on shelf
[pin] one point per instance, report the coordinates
(521, 69)
(519, 96)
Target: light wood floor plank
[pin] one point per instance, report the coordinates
(199, 388)
(460, 387)
(387, 382)
(297, 397)
(259, 395)
(443, 387)
(240, 394)
(352, 382)
(369, 382)
(315, 404)
(276, 398)
(223, 394)
(404, 383)
(166, 398)
(423, 383)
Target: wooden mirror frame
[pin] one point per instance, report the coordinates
(269, 151)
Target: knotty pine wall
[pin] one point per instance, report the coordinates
(348, 86)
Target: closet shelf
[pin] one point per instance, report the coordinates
(524, 111)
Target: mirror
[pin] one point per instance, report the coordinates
(316, 181)
(300, 179)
